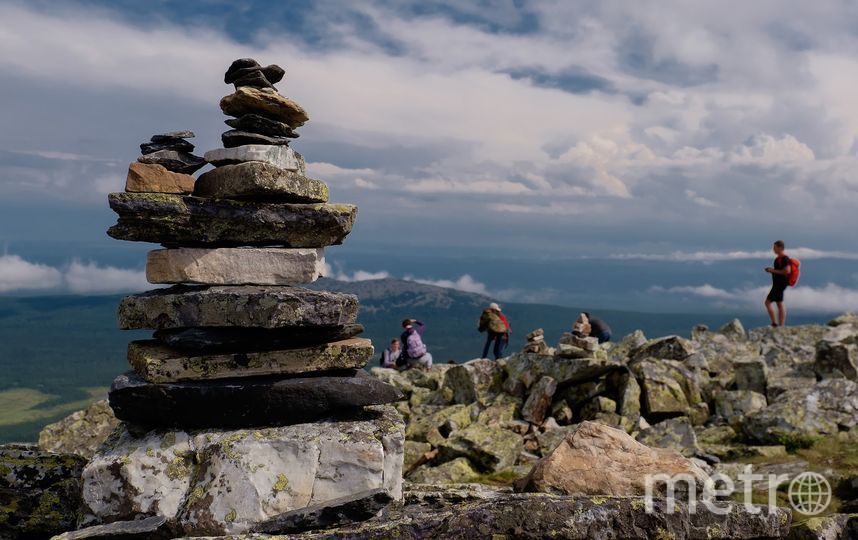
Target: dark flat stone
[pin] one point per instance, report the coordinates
(350, 509)
(246, 402)
(179, 145)
(261, 125)
(208, 339)
(180, 162)
(234, 137)
(248, 72)
(183, 306)
(173, 135)
(175, 220)
(149, 528)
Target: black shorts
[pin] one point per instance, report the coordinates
(776, 294)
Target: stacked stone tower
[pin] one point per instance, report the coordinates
(250, 400)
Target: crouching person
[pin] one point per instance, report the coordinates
(414, 351)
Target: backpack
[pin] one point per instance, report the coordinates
(792, 278)
(795, 271)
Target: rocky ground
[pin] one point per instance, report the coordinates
(554, 442)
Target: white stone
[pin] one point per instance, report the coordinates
(242, 477)
(277, 155)
(235, 266)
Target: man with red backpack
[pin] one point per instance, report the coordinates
(784, 274)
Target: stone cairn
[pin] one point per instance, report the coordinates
(250, 401)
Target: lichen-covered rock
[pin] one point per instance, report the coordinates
(489, 448)
(448, 419)
(628, 397)
(503, 410)
(39, 491)
(597, 460)
(147, 528)
(259, 181)
(539, 400)
(801, 415)
(735, 405)
(529, 368)
(599, 404)
(475, 381)
(666, 348)
(751, 374)
(452, 472)
(669, 388)
(81, 432)
(674, 433)
(734, 330)
(415, 452)
(829, 527)
(342, 511)
(836, 360)
(158, 363)
(219, 482)
(196, 221)
(246, 402)
(184, 306)
(235, 266)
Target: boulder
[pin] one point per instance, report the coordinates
(621, 350)
(235, 266)
(183, 306)
(735, 405)
(257, 401)
(280, 157)
(225, 482)
(827, 527)
(539, 400)
(597, 460)
(597, 405)
(261, 125)
(260, 182)
(844, 319)
(550, 439)
(153, 178)
(415, 453)
(666, 348)
(237, 339)
(751, 374)
(503, 410)
(778, 385)
(264, 102)
(475, 381)
(674, 433)
(174, 161)
(836, 360)
(800, 416)
(194, 221)
(528, 368)
(158, 363)
(668, 388)
(629, 397)
(39, 491)
(452, 472)
(489, 448)
(349, 509)
(445, 420)
(734, 330)
(80, 433)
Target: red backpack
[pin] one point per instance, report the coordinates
(795, 265)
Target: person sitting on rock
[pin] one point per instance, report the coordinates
(414, 351)
(390, 356)
(598, 328)
(496, 325)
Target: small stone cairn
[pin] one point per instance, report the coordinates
(250, 400)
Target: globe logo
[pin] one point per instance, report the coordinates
(809, 493)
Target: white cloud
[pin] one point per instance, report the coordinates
(90, 278)
(714, 256)
(827, 299)
(465, 283)
(357, 275)
(18, 274)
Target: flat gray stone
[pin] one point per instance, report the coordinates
(175, 220)
(235, 266)
(259, 181)
(157, 363)
(184, 306)
(247, 402)
(150, 528)
(350, 509)
(280, 156)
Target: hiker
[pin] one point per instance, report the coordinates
(598, 328)
(781, 278)
(414, 352)
(391, 355)
(496, 326)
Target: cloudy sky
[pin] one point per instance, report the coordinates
(477, 134)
